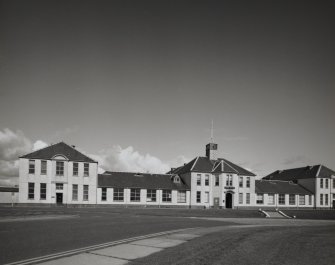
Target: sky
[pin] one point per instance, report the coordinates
(136, 84)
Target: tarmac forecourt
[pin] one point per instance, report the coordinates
(129, 250)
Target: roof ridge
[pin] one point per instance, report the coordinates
(195, 162)
(227, 162)
(220, 163)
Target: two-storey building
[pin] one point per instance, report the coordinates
(57, 174)
(318, 179)
(217, 183)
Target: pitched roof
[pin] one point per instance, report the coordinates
(139, 180)
(206, 165)
(61, 148)
(317, 171)
(280, 187)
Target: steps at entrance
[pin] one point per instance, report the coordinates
(274, 214)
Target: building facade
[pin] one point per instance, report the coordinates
(318, 179)
(57, 174)
(60, 174)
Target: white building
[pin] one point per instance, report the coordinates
(318, 179)
(60, 174)
(57, 174)
(142, 189)
(217, 183)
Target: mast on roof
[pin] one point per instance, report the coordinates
(211, 148)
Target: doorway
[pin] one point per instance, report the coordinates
(229, 200)
(59, 198)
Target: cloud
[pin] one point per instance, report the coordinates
(13, 145)
(127, 159)
(39, 144)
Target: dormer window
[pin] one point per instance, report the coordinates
(176, 179)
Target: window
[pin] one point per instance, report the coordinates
(151, 195)
(75, 192)
(206, 180)
(206, 197)
(198, 196)
(302, 200)
(135, 195)
(321, 183)
(118, 195)
(31, 166)
(281, 199)
(333, 183)
(43, 191)
(291, 199)
(181, 196)
(326, 199)
(75, 169)
(59, 168)
(86, 169)
(260, 199)
(271, 199)
(240, 198)
(217, 181)
(85, 193)
(310, 199)
(240, 182)
(103, 194)
(176, 179)
(43, 167)
(247, 198)
(229, 181)
(198, 179)
(321, 199)
(31, 190)
(59, 186)
(166, 196)
(327, 183)
(248, 182)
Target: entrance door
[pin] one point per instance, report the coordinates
(59, 198)
(229, 200)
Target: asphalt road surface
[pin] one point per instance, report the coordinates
(28, 233)
(33, 232)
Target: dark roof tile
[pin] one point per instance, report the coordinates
(59, 149)
(280, 187)
(301, 173)
(139, 180)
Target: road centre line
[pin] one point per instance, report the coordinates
(94, 247)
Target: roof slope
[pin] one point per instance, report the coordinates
(59, 149)
(204, 164)
(301, 173)
(139, 180)
(280, 187)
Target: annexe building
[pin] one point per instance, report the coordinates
(126, 188)
(318, 179)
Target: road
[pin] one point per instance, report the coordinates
(33, 232)
(28, 233)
